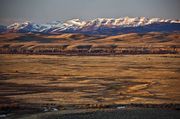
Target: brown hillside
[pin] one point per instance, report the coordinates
(152, 42)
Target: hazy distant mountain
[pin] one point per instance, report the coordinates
(107, 26)
(2, 28)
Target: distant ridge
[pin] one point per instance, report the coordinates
(105, 26)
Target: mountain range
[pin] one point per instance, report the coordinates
(100, 26)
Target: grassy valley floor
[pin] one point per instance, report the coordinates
(32, 84)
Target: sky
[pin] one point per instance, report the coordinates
(43, 11)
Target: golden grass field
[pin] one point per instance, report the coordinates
(89, 72)
(81, 80)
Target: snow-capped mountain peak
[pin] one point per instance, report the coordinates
(25, 27)
(77, 25)
(74, 23)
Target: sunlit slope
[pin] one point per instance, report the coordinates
(78, 43)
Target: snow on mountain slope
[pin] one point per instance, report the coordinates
(95, 26)
(24, 27)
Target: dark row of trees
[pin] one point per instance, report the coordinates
(89, 51)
